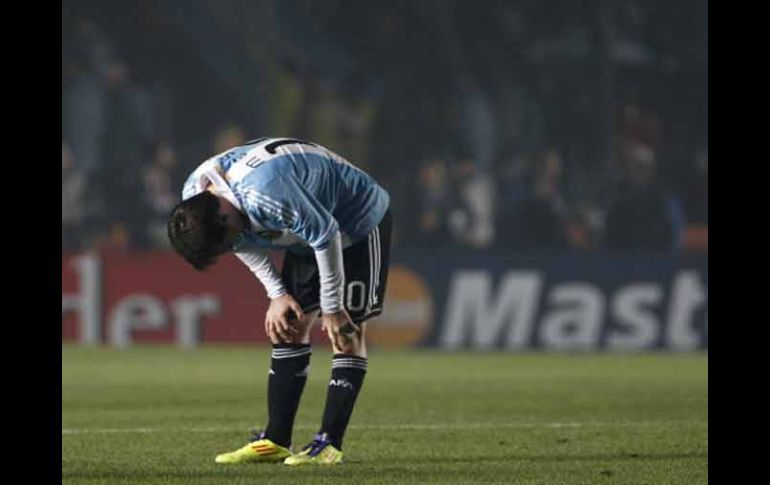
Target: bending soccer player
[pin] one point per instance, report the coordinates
(332, 220)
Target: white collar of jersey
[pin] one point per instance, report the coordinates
(212, 175)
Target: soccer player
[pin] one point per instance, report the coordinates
(333, 221)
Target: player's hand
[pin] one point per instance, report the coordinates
(341, 330)
(281, 319)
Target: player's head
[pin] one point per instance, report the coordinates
(201, 228)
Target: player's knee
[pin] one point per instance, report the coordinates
(305, 326)
(357, 345)
(275, 339)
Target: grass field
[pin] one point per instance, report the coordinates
(158, 415)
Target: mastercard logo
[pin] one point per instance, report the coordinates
(407, 314)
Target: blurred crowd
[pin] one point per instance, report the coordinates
(523, 125)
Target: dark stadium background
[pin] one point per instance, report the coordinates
(547, 163)
(511, 129)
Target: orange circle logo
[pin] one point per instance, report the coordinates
(407, 314)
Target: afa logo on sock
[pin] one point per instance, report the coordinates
(341, 383)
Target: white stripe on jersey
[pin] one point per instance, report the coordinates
(377, 263)
(284, 209)
(270, 205)
(370, 300)
(262, 200)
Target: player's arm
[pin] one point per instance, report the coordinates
(278, 321)
(294, 208)
(335, 319)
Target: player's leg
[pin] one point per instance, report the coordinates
(347, 378)
(286, 381)
(290, 361)
(288, 371)
(366, 267)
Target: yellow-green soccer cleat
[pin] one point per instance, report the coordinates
(259, 450)
(320, 451)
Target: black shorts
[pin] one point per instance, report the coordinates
(366, 274)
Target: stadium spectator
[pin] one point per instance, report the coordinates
(435, 203)
(72, 201)
(643, 215)
(697, 192)
(471, 221)
(125, 138)
(160, 191)
(356, 114)
(541, 219)
(85, 52)
(640, 125)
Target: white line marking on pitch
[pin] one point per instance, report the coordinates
(460, 426)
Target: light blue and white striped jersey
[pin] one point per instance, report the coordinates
(296, 194)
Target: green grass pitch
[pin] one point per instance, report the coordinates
(159, 415)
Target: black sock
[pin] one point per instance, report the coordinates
(288, 374)
(348, 373)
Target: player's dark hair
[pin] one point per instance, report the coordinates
(196, 231)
